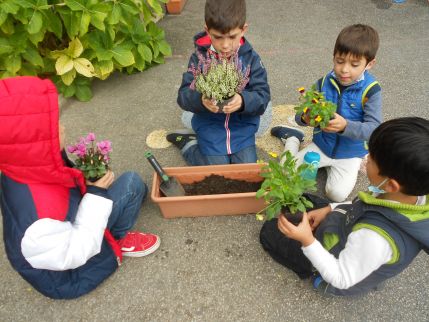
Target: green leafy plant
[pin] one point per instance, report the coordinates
(314, 106)
(73, 41)
(219, 79)
(284, 185)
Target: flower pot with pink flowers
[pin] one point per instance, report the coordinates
(92, 158)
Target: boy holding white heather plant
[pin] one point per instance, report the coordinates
(357, 94)
(223, 135)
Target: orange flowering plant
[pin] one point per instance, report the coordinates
(314, 106)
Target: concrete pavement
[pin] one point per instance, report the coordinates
(213, 269)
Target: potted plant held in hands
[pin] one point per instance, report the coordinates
(219, 79)
(92, 157)
(314, 108)
(283, 188)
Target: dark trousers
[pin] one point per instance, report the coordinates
(284, 250)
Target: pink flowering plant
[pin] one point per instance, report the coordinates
(220, 78)
(92, 157)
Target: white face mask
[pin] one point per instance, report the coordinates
(376, 189)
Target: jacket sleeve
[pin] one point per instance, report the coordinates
(372, 118)
(189, 99)
(256, 95)
(365, 252)
(61, 245)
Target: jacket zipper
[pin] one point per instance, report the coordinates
(228, 135)
(337, 138)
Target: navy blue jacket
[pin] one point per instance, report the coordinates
(220, 133)
(405, 227)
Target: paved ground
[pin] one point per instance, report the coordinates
(213, 269)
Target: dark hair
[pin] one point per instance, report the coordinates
(358, 40)
(400, 148)
(225, 15)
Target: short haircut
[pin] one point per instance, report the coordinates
(358, 40)
(400, 148)
(225, 15)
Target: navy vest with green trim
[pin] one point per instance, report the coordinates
(350, 103)
(407, 233)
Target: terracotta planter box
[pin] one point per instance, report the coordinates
(175, 7)
(209, 205)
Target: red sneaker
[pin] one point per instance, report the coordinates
(136, 244)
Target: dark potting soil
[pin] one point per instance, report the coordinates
(214, 184)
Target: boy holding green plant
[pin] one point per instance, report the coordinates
(227, 135)
(357, 94)
(356, 247)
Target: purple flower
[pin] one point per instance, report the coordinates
(80, 150)
(71, 148)
(90, 137)
(104, 147)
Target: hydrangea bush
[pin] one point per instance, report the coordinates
(73, 41)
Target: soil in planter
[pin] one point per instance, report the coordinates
(214, 184)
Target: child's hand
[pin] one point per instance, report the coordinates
(305, 117)
(317, 215)
(338, 124)
(104, 182)
(301, 233)
(208, 103)
(234, 105)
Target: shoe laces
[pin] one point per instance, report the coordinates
(129, 240)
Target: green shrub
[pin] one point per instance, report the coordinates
(72, 41)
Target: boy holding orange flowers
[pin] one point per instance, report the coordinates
(357, 94)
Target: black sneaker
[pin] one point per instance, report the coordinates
(181, 137)
(284, 132)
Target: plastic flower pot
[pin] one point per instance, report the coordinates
(295, 218)
(175, 7)
(224, 103)
(209, 205)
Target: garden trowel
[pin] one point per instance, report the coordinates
(169, 186)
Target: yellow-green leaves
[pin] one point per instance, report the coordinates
(72, 41)
(69, 62)
(64, 64)
(84, 67)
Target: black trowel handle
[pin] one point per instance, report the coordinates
(154, 163)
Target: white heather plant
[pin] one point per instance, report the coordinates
(219, 79)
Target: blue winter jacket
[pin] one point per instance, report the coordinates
(220, 133)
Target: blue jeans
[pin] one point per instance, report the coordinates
(127, 193)
(193, 156)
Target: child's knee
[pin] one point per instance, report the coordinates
(136, 184)
(336, 192)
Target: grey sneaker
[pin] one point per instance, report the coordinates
(284, 132)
